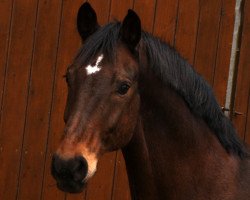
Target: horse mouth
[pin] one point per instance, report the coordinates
(71, 186)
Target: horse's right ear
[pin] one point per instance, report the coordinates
(130, 32)
(86, 21)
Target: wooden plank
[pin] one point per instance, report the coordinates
(77, 196)
(247, 132)
(121, 189)
(146, 10)
(186, 30)
(224, 50)
(15, 97)
(102, 9)
(39, 100)
(119, 9)
(243, 81)
(165, 20)
(69, 42)
(207, 38)
(5, 19)
(101, 184)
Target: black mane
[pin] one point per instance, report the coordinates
(182, 78)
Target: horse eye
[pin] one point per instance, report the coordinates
(123, 88)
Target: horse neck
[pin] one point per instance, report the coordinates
(169, 145)
(139, 168)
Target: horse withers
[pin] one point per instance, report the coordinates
(129, 90)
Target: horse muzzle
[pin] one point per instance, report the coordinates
(69, 174)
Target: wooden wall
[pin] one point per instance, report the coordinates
(38, 39)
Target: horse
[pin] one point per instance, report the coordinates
(129, 90)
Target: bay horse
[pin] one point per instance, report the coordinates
(129, 90)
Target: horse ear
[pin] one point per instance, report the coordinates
(130, 32)
(86, 21)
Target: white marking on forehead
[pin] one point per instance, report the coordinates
(96, 68)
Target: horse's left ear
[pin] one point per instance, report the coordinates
(86, 21)
(130, 32)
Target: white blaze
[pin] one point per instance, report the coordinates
(91, 169)
(96, 68)
(92, 160)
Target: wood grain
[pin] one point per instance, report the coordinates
(146, 10)
(186, 30)
(121, 189)
(224, 50)
(119, 9)
(39, 99)
(69, 42)
(15, 96)
(5, 24)
(247, 132)
(165, 20)
(243, 80)
(101, 185)
(38, 40)
(207, 38)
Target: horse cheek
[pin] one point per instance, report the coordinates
(129, 121)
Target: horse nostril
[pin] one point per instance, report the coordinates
(79, 168)
(74, 169)
(57, 166)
